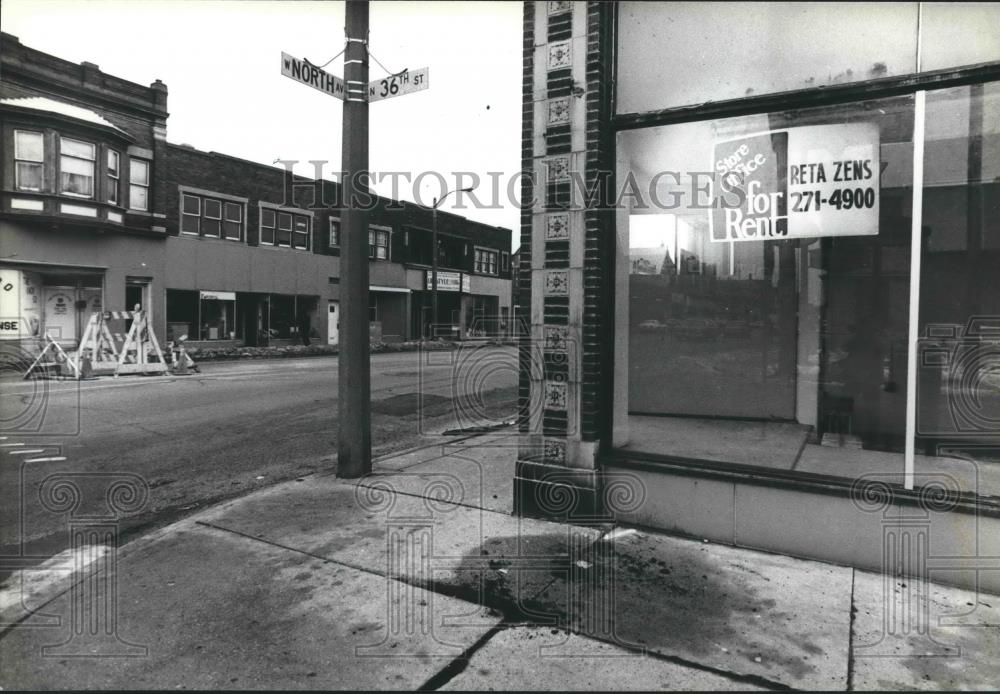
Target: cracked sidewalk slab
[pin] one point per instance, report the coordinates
(202, 608)
(910, 634)
(524, 657)
(784, 620)
(485, 557)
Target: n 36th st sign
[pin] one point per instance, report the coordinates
(405, 82)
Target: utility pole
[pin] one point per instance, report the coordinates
(434, 269)
(434, 258)
(354, 458)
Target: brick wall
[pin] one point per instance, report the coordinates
(220, 173)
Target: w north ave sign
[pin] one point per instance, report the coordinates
(405, 82)
(301, 71)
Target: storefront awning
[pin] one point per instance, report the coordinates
(400, 290)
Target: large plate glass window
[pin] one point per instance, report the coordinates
(29, 156)
(768, 265)
(957, 379)
(76, 167)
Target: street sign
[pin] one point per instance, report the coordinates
(302, 71)
(406, 82)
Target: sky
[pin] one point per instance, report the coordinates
(221, 63)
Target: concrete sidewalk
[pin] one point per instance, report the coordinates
(419, 576)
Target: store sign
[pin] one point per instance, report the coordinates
(219, 296)
(817, 180)
(467, 284)
(447, 281)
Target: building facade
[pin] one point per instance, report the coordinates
(99, 212)
(760, 263)
(82, 216)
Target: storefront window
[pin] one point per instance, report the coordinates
(182, 314)
(958, 377)
(671, 54)
(218, 316)
(283, 317)
(768, 277)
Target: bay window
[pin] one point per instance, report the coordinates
(29, 156)
(114, 174)
(76, 167)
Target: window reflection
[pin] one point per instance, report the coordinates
(785, 349)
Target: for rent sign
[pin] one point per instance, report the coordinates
(818, 180)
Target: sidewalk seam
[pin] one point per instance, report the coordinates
(461, 662)
(850, 636)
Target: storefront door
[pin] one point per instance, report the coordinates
(60, 314)
(333, 323)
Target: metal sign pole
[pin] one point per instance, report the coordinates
(354, 447)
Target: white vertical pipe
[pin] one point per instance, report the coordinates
(916, 236)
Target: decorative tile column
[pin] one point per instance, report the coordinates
(562, 400)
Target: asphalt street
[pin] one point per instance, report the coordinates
(232, 428)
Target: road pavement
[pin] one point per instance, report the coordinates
(233, 428)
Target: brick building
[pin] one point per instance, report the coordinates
(98, 211)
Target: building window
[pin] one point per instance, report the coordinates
(267, 226)
(211, 218)
(378, 243)
(76, 167)
(190, 214)
(203, 216)
(504, 262)
(138, 190)
(300, 232)
(334, 232)
(486, 261)
(29, 150)
(232, 222)
(114, 174)
(284, 229)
